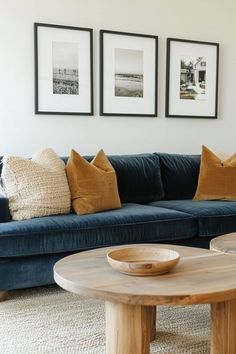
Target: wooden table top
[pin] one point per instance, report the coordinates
(225, 243)
(201, 276)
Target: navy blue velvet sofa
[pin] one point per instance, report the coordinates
(156, 191)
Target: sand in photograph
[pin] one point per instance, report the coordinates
(65, 68)
(128, 73)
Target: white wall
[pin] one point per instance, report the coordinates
(24, 133)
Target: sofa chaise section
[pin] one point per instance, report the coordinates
(180, 179)
(214, 217)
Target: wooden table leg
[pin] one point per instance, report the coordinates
(127, 328)
(153, 311)
(223, 327)
(3, 295)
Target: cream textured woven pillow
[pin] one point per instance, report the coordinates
(36, 187)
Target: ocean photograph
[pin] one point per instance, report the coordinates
(65, 68)
(128, 73)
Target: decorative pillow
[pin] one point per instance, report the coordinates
(217, 178)
(93, 185)
(36, 187)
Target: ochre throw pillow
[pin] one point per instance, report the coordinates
(36, 187)
(217, 178)
(93, 185)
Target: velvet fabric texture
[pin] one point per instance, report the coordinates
(139, 177)
(29, 248)
(27, 272)
(93, 185)
(179, 175)
(215, 217)
(217, 178)
(133, 223)
(4, 209)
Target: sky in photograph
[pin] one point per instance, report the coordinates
(65, 55)
(128, 61)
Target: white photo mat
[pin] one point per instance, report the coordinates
(205, 106)
(47, 101)
(117, 105)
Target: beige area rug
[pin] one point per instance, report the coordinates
(50, 320)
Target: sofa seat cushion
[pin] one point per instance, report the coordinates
(214, 217)
(133, 223)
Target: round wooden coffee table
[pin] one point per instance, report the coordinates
(225, 243)
(201, 277)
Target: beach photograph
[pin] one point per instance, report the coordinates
(128, 73)
(65, 68)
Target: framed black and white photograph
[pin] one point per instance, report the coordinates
(63, 69)
(191, 79)
(128, 74)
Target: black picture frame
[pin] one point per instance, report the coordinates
(103, 111)
(188, 98)
(90, 110)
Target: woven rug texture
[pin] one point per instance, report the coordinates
(49, 320)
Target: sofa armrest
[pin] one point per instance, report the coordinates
(4, 209)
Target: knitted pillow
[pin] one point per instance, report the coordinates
(36, 187)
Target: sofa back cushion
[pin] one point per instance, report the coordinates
(138, 177)
(179, 175)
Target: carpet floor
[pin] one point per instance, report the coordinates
(50, 320)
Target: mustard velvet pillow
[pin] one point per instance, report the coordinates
(93, 185)
(217, 178)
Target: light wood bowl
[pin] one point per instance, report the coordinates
(143, 261)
